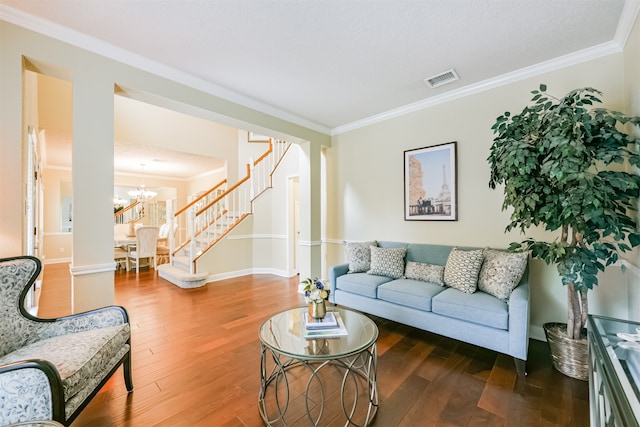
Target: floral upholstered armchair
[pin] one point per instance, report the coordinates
(52, 368)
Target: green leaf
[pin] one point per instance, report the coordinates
(634, 239)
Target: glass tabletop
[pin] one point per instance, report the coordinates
(620, 339)
(283, 333)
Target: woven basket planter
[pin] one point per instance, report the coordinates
(571, 357)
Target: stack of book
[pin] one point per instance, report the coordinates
(331, 326)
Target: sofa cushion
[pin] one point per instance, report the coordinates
(409, 292)
(432, 254)
(462, 269)
(425, 272)
(501, 272)
(480, 308)
(387, 262)
(78, 357)
(359, 255)
(361, 283)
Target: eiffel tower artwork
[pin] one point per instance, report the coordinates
(430, 183)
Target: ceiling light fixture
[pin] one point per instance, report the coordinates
(140, 193)
(117, 201)
(442, 78)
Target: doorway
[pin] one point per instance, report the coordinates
(293, 232)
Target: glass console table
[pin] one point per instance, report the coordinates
(318, 378)
(614, 372)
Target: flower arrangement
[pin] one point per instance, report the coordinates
(314, 290)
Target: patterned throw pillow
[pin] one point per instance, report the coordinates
(501, 272)
(461, 271)
(359, 255)
(425, 272)
(387, 262)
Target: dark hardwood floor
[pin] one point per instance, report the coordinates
(196, 361)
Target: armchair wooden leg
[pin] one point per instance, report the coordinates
(128, 379)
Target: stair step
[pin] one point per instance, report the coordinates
(181, 278)
(182, 262)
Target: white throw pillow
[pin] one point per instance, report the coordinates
(359, 255)
(387, 262)
(462, 269)
(425, 272)
(501, 272)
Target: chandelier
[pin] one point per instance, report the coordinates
(117, 201)
(141, 194)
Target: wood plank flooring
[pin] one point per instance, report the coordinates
(196, 361)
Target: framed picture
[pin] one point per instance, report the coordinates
(254, 137)
(430, 184)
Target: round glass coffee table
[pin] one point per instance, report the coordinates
(301, 376)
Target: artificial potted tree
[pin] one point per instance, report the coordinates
(563, 164)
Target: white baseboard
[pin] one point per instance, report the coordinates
(246, 272)
(56, 261)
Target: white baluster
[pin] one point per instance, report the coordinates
(172, 239)
(192, 236)
(251, 166)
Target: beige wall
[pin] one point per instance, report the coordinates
(365, 179)
(632, 104)
(57, 244)
(54, 105)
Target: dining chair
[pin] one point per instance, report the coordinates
(163, 248)
(120, 256)
(146, 243)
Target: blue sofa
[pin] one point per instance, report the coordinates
(478, 318)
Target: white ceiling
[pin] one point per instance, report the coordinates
(335, 64)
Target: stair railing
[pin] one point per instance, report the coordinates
(209, 220)
(134, 211)
(181, 216)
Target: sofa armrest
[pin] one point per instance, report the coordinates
(519, 321)
(31, 391)
(335, 272)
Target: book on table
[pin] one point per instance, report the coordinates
(328, 322)
(336, 331)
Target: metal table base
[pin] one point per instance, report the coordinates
(358, 373)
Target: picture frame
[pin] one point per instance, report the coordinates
(254, 137)
(430, 183)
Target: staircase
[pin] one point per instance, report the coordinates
(198, 226)
(127, 214)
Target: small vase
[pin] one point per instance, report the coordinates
(317, 310)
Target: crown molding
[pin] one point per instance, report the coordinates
(627, 21)
(91, 44)
(585, 55)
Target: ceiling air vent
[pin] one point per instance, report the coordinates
(442, 78)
